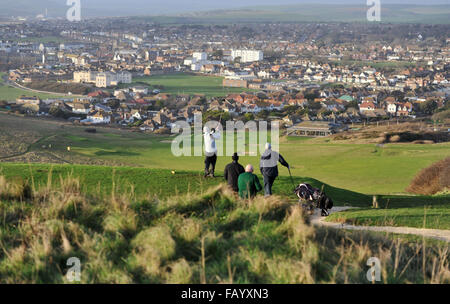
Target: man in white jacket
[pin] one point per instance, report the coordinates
(210, 137)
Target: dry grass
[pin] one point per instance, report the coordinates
(414, 132)
(208, 238)
(433, 179)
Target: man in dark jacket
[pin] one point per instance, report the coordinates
(232, 172)
(248, 183)
(269, 167)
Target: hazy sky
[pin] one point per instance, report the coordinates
(193, 5)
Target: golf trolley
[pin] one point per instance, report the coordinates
(312, 198)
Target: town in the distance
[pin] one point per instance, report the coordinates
(315, 79)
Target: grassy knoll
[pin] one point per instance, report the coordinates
(189, 84)
(397, 210)
(161, 183)
(10, 93)
(208, 238)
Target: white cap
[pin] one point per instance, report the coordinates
(268, 146)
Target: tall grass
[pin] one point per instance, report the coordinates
(209, 238)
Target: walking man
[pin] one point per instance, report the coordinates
(248, 183)
(232, 172)
(210, 137)
(269, 167)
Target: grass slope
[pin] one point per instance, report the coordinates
(432, 217)
(208, 238)
(11, 94)
(396, 210)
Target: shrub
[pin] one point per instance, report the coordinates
(433, 179)
(18, 190)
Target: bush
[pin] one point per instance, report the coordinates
(433, 179)
(395, 138)
(163, 131)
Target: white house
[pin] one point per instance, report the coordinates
(199, 56)
(247, 55)
(97, 117)
(392, 108)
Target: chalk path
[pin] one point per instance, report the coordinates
(438, 234)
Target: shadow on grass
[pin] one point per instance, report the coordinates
(115, 153)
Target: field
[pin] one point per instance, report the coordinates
(9, 93)
(308, 12)
(211, 86)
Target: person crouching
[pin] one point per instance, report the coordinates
(248, 183)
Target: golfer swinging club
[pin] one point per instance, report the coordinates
(210, 137)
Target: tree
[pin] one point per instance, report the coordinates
(216, 115)
(263, 114)
(217, 54)
(56, 112)
(249, 117)
(352, 104)
(159, 104)
(312, 105)
(428, 107)
(312, 95)
(113, 103)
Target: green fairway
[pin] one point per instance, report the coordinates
(210, 86)
(364, 168)
(396, 210)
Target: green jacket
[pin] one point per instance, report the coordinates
(248, 184)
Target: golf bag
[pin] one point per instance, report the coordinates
(312, 198)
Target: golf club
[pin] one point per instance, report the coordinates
(292, 180)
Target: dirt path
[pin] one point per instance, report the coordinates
(438, 234)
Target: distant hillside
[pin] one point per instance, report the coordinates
(202, 11)
(394, 13)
